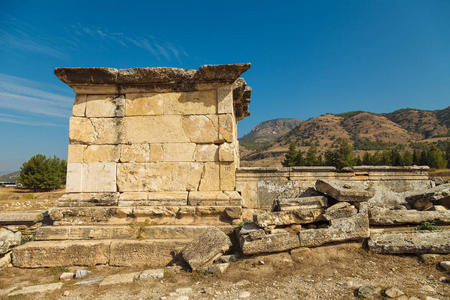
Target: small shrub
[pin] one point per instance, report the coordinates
(26, 238)
(427, 226)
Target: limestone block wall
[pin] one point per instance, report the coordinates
(259, 187)
(155, 130)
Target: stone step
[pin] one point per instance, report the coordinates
(121, 253)
(155, 215)
(141, 231)
(21, 218)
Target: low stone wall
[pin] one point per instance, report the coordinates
(260, 186)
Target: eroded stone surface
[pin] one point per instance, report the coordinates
(289, 217)
(421, 241)
(202, 251)
(277, 241)
(345, 190)
(8, 240)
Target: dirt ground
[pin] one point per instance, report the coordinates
(327, 272)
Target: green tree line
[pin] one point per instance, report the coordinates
(428, 155)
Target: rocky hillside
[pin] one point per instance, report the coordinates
(11, 177)
(363, 129)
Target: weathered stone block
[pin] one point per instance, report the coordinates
(420, 199)
(227, 176)
(75, 153)
(99, 177)
(62, 253)
(20, 217)
(156, 152)
(225, 100)
(159, 177)
(153, 254)
(206, 152)
(227, 152)
(227, 127)
(208, 247)
(340, 210)
(289, 217)
(88, 199)
(381, 216)
(279, 240)
(107, 131)
(136, 153)
(105, 106)
(81, 131)
(302, 203)
(178, 151)
(210, 174)
(79, 106)
(343, 229)
(81, 215)
(101, 153)
(155, 129)
(417, 242)
(145, 104)
(206, 198)
(8, 240)
(345, 190)
(153, 199)
(201, 128)
(190, 103)
(74, 177)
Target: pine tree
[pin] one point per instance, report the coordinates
(344, 156)
(290, 157)
(42, 173)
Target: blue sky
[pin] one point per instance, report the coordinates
(308, 57)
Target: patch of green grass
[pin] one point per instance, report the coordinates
(28, 196)
(57, 271)
(427, 226)
(26, 237)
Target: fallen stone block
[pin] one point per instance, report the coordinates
(90, 281)
(44, 288)
(445, 265)
(289, 217)
(214, 269)
(66, 276)
(302, 203)
(152, 253)
(228, 258)
(5, 260)
(88, 199)
(119, 278)
(8, 240)
(277, 241)
(426, 198)
(208, 247)
(21, 218)
(61, 253)
(423, 241)
(381, 216)
(82, 273)
(148, 274)
(343, 229)
(348, 191)
(340, 210)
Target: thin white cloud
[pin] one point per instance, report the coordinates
(26, 103)
(17, 35)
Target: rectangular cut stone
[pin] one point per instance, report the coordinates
(227, 176)
(107, 130)
(220, 198)
(99, 177)
(178, 151)
(209, 179)
(152, 254)
(345, 190)
(136, 153)
(98, 232)
(79, 106)
(88, 199)
(227, 152)
(101, 153)
(275, 242)
(380, 216)
(144, 104)
(179, 231)
(227, 128)
(302, 203)
(75, 153)
(206, 152)
(155, 129)
(225, 100)
(159, 177)
(153, 199)
(105, 106)
(133, 196)
(74, 177)
(190, 103)
(81, 131)
(156, 152)
(201, 128)
(63, 253)
(417, 242)
(289, 217)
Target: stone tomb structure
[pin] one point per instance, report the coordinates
(151, 165)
